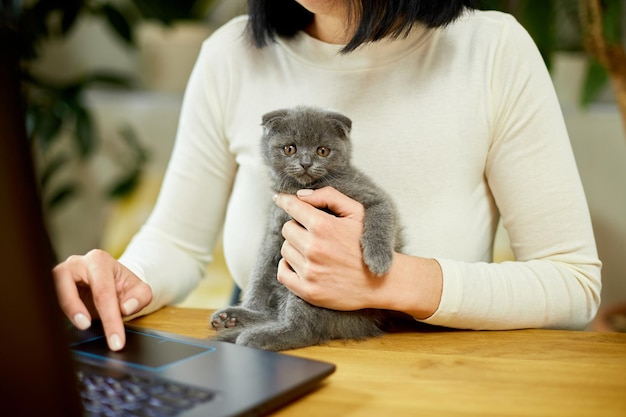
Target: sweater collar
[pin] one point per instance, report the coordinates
(320, 54)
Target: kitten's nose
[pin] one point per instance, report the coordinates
(306, 162)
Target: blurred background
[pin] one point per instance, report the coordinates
(105, 80)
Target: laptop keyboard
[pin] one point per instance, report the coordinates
(132, 395)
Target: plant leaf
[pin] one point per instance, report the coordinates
(126, 185)
(47, 124)
(168, 11)
(61, 195)
(71, 9)
(612, 21)
(130, 138)
(51, 168)
(494, 5)
(538, 18)
(118, 23)
(107, 78)
(595, 80)
(85, 135)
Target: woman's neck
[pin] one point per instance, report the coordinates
(330, 28)
(328, 33)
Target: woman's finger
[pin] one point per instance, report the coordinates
(328, 198)
(103, 288)
(294, 258)
(69, 298)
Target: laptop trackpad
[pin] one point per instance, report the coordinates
(142, 350)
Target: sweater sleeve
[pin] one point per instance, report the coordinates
(172, 249)
(530, 168)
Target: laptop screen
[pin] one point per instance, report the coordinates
(36, 375)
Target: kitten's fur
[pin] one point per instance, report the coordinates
(294, 146)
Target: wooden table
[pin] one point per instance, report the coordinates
(423, 371)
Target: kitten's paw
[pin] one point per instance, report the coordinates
(378, 261)
(236, 317)
(223, 319)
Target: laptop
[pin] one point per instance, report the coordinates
(46, 370)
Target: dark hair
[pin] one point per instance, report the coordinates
(375, 19)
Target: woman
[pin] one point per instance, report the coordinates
(454, 114)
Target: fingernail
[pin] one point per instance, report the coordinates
(81, 321)
(304, 192)
(115, 342)
(130, 306)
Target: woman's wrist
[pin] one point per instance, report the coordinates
(412, 286)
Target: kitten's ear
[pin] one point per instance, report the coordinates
(342, 123)
(271, 119)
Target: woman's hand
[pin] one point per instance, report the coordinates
(322, 257)
(323, 260)
(97, 286)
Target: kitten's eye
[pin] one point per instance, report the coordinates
(289, 149)
(323, 151)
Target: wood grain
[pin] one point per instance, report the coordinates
(422, 370)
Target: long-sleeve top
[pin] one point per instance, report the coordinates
(461, 125)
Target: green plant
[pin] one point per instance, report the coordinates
(54, 107)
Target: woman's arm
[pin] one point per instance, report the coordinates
(171, 251)
(165, 260)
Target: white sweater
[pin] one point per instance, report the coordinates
(460, 125)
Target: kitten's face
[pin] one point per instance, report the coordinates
(306, 163)
(306, 145)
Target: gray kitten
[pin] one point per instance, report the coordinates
(307, 147)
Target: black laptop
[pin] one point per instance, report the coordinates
(46, 370)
